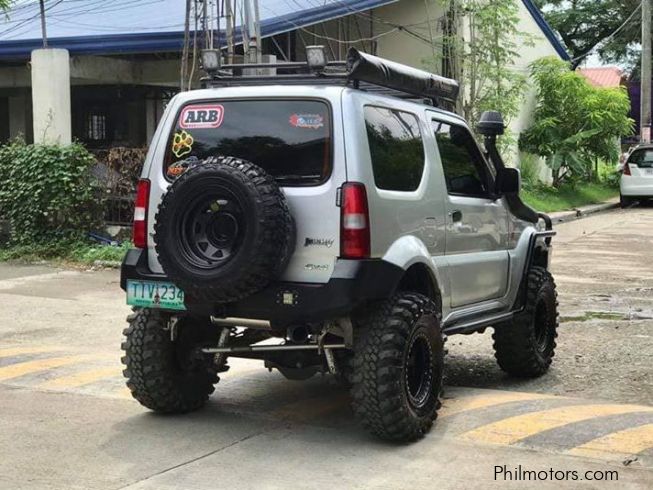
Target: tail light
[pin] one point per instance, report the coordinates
(354, 222)
(627, 169)
(139, 228)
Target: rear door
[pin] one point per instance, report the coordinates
(477, 223)
(295, 140)
(640, 163)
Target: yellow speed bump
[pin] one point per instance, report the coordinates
(28, 367)
(82, 378)
(514, 429)
(466, 403)
(17, 351)
(629, 441)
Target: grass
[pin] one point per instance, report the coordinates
(594, 315)
(76, 252)
(566, 197)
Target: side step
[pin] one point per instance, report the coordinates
(476, 324)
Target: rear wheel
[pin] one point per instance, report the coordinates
(397, 367)
(625, 201)
(526, 345)
(165, 375)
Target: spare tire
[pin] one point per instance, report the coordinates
(223, 231)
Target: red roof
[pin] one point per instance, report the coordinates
(609, 77)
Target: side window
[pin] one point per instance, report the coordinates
(396, 148)
(465, 172)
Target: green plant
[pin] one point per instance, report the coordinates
(529, 168)
(575, 124)
(81, 252)
(483, 60)
(567, 196)
(591, 26)
(48, 193)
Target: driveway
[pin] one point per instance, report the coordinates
(68, 421)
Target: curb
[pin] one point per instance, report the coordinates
(585, 211)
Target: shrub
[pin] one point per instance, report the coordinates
(530, 172)
(575, 124)
(47, 192)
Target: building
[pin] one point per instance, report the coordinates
(115, 64)
(604, 77)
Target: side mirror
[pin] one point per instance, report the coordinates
(491, 124)
(508, 181)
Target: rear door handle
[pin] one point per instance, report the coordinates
(456, 216)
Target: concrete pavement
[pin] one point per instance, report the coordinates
(68, 421)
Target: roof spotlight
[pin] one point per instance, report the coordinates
(210, 60)
(316, 58)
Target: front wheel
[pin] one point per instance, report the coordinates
(164, 375)
(525, 346)
(397, 367)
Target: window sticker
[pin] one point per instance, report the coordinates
(178, 168)
(205, 116)
(307, 121)
(182, 144)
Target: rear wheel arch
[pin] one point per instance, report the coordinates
(418, 278)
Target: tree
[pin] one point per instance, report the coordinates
(575, 124)
(485, 55)
(4, 4)
(586, 25)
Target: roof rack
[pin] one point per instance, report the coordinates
(361, 71)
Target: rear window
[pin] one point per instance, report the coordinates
(290, 139)
(642, 158)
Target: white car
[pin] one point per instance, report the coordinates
(637, 176)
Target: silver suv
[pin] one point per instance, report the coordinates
(334, 207)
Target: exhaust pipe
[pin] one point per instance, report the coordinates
(298, 334)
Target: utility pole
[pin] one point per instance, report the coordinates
(259, 41)
(250, 42)
(44, 34)
(229, 16)
(184, 51)
(645, 109)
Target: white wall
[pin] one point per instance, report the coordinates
(401, 46)
(51, 96)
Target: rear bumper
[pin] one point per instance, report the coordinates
(636, 187)
(353, 283)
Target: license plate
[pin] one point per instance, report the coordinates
(150, 294)
(648, 171)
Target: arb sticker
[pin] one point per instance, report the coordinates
(201, 116)
(308, 121)
(182, 144)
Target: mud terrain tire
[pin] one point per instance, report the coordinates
(525, 346)
(398, 367)
(163, 375)
(223, 230)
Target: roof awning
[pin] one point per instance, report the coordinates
(149, 26)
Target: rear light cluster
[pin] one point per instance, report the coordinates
(139, 228)
(354, 222)
(626, 169)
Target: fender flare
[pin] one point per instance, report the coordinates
(409, 251)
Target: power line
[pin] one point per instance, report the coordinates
(610, 37)
(95, 7)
